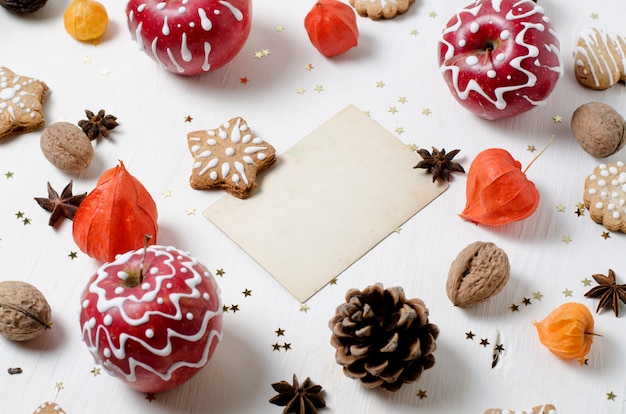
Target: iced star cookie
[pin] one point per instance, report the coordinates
(540, 409)
(605, 195)
(599, 60)
(21, 100)
(228, 157)
(49, 408)
(381, 9)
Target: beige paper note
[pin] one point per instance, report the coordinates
(326, 202)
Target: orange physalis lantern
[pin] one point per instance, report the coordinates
(115, 217)
(331, 26)
(567, 331)
(498, 192)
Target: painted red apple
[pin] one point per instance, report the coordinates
(190, 37)
(500, 58)
(152, 317)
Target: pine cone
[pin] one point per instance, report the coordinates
(382, 338)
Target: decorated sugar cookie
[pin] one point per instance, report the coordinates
(21, 100)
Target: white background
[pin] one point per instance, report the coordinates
(281, 103)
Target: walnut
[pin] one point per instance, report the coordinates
(599, 129)
(24, 311)
(479, 272)
(67, 147)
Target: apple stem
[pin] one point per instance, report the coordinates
(147, 238)
(538, 155)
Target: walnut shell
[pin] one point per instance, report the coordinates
(479, 271)
(599, 129)
(24, 311)
(67, 147)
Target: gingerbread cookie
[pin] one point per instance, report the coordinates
(381, 9)
(540, 409)
(228, 157)
(599, 59)
(49, 408)
(21, 100)
(605, 195)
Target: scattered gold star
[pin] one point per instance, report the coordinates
(470, 335)
(514, 308)
(87, 59)
(234, 308)
(19, 214)
(392, 110)
(280, 28)
(73, 255)
(59, 386)
(188, 118)
(167, 193)
(276, 346)
(611, 396)
(8, 174)
(594, 16)
(414, 32)
(402, 100)
(309, 67)
(580, 212)
(484, 342)
(580, 205)
(225, 308)
(258, 54)
(432, 14)
(150, 396)
(244, 80)
(397, 230)
(560, 208)
(190, 211)
(537, 295)
(426, 111)
(566, 239)
(246, 293)
(319, 88)
(586, 282)
(333, 281)
(26, 221)
(220, 272)
(380, 84)
(526, 301)
(421, 394)
(105, 72)
(399, 130)
(557, 118)
(499, 348)
(367, 113)
(567, 293)
(605, 235)
(583, 361)
(265, 52)
(287, 346)
(304, 308)
(531, 148)
(300, 91)
(413, 147)
(279, 332)
(95, 371)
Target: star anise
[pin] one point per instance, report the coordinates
(296, 398)
(97, 124)
(61, 206)
(439, 163)
(608, 291)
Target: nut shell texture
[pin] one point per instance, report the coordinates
(480, 271)
(67, 147)
(24, 311)
(599, 129)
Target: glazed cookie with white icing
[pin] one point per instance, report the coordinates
(381, 9)
(228, 157)
(21, 100)
(599, 62)
(605, 195)
(540, 409)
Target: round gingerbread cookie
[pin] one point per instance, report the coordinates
(605, 195)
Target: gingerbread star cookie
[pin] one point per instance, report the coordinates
(540, 409)
(605, 195)
(21, 100)
(381, 9)
(228, 157)
(49, 408)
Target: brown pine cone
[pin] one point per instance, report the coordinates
(382, 338)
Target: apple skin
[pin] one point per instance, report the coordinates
(160, 333)
(190, 37)
(500, 58)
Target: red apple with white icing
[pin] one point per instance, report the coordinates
(500, 58)
(190, 37)
(152, 317)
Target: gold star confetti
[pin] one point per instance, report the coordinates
(234, 308)
(514, 308)
(392, 110)
(583, 361)
(567, 293)
(566, 239)
(594, 16)
(87, 59)
(333, 281)
(95, 371)
(279, 28)
(557, 118)
(265, 52)
(276, 346)
(432, 14)
(605, 235)
(580, 205)
(319, 88)
(399, 130)
(484, 342)
(397, 230)
(190, 211)
(414, 32)
(580, 212)
(470, 335)
(105, 72)
(167, 193)
(309, 67)
(304, 308)
(421, 394)
(73, 255)
(611, 396)
(426, 111)
(560, 208)
(586, 282)
(258, 54)
(300, 91)
(246, 293)
(26, 221)
(150, 396)
(287, 346)
(188, 118)
(402, 100)
(279, 332)
(413, 147)
(19, 215)
(380, 84)
(225, 308)
(526, 301)
(531, 148)
(220, 272)
(244, 80)
(8, 174)
(59, 386)
(537, 295)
